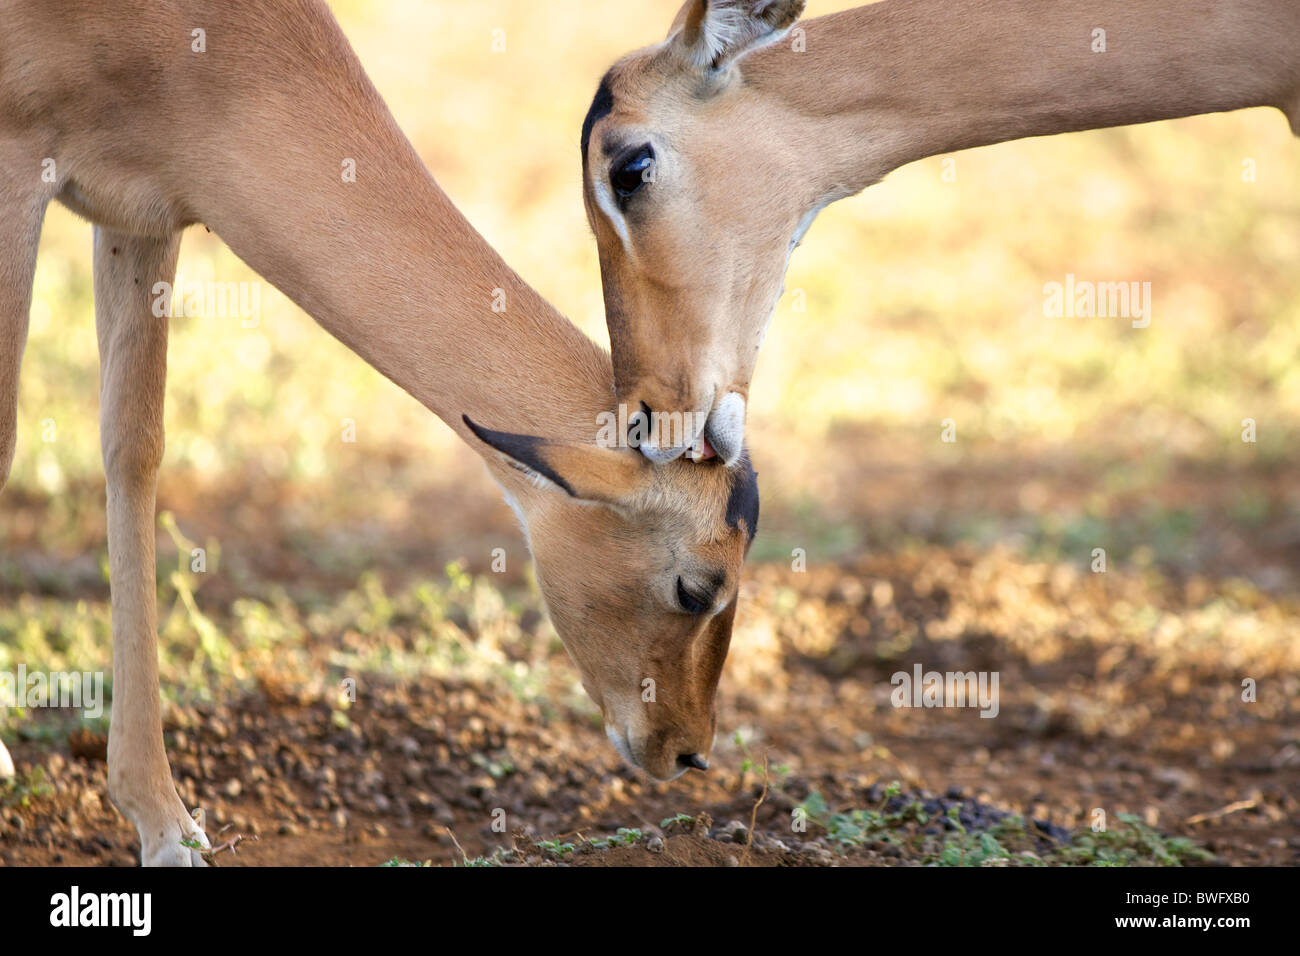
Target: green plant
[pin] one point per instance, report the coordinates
(626, 836)
(749, 764)
(24, 788)
(857, 827)
(677, 819)
(1132, 843)
(966, 849)
(555, 847)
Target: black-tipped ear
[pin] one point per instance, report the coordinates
(525, 450)
(587, 472)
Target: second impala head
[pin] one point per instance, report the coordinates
(688, 185)
(640, 566)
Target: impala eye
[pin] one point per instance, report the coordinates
(631, 174)
(689, 602)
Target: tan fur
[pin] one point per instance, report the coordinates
(745, 155)
(249, 138)
(715, 32)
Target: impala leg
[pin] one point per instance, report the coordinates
(21, 213)
(20, 233)
(133, 372)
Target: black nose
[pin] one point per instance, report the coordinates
(635, 433)
(692, 760)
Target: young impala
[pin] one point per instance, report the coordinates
(639, 566)
(707, 156)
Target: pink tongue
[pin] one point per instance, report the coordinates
(706, 450)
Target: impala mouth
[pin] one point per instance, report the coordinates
(721, 437)
(661, 456)
(702, 450)
(725, 429)
(623, 744)
(669, 425)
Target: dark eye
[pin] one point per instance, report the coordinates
(629, 175)
(689, 602)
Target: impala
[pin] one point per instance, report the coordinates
(638, 566)
(706, 157)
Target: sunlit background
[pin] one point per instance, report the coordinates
(923, 296)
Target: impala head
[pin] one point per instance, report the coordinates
(639, 566)
(690, 184)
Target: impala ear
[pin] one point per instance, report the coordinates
(712, 34)
(588, 472)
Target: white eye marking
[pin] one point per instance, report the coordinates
(605, 200)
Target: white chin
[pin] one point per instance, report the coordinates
(620, 744)
(659, 455)
(726, 428)
(625, 751)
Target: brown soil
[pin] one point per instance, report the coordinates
(1119, 691)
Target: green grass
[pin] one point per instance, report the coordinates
(1006, 843)
(558, 849)
(624, 836)
(26, 787)
(1133, 843)
(676, 820)
(460, 626)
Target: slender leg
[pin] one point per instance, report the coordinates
(22, 208)
(133, 371)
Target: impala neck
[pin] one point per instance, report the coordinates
(386, 263)
(881, 86)
(423, 298)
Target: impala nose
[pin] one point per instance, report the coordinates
(664, 435)
(725, 430)
(638, 426)
(692, 760)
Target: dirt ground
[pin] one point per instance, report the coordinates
(1121, 694)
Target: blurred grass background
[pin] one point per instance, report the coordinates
(924, 303)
